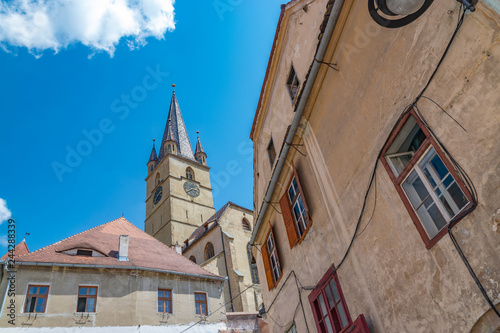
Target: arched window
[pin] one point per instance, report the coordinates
(209, 251)
(189, 173)
(157, 179)
(193, 259)
(246, 225)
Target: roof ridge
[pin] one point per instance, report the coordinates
(67, 238)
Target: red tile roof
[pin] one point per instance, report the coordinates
(144, 250)
(20, 249)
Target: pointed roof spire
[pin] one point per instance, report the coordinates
(176, 130)
(199, 147)
(169, 136)
(153, 157)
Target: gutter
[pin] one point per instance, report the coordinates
(225, 264)
(306, 91)
(50, 264)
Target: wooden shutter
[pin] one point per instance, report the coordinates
(286, 213)
(267, 264)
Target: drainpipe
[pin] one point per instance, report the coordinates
(225, 263)
(8, 286)
(319, 57)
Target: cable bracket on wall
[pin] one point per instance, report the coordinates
(329, 64)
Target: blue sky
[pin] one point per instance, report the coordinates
(51, 101)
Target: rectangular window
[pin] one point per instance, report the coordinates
(200, 302)
(294, 211)
(36, 299)
(164, 301)
(271, 152)
(271, 260)
(329, 306)
(292, 83)
(87, 299)
(426, 181)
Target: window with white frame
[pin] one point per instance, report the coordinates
(300, 215)
(424, 178)
(273, 258)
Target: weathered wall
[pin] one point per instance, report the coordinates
(277, 107)
(389, 275)
(124, 298)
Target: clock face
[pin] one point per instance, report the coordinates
(157, 196)
(192, 189)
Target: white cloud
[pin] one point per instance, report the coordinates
(99, 24)
(4, 211)
(3, 241)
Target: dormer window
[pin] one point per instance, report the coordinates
(83, 251)
(87, 253)
(292, 83)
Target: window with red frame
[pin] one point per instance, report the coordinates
(329, 306)
(424, 178)
(36, 299)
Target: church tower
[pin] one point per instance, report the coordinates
(178, 191)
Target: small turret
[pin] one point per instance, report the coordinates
(153, 159)
(199, 154)
(170, 145)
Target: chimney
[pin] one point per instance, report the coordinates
(177, 248)
(123, 252)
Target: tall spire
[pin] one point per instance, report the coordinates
(200, 154)
(175, 130)
(199, 147)
(153, 157)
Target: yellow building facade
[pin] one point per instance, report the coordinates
(352, 129)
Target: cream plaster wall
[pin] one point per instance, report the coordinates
(125, 297)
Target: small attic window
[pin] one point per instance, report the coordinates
(87, 253)
(246, 225)
(292, 83)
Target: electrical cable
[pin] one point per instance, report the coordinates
(203, 319)
(439, 106)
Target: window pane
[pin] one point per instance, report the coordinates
(415, 189)
(343, 317)
(336, 295)
(160, 306)
(329, 297)
(167, 307)
(81, 304)
(438, 166)
(39, 308)
(202, 297)
(431, 217)
(329, 328)
(203, 308)
(90, 304)
(323, 307)
(196, 297)
(167, 294)
(92, 291)
(458, 196)
(33, 290)
(160, 293)
(197, 309)
(43, 290)
(83, 291)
